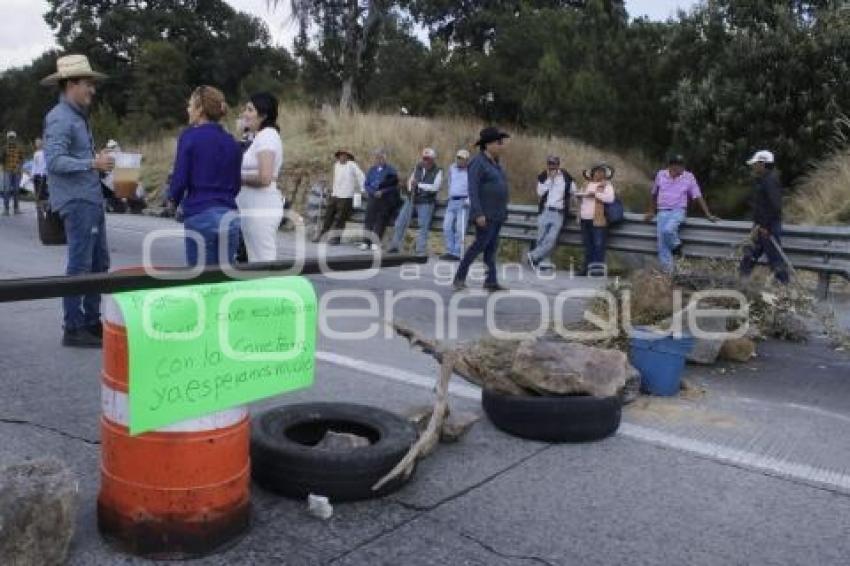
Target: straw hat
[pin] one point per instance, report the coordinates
(609, 171)
(72, 67)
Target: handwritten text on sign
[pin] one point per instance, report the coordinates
(197, 350)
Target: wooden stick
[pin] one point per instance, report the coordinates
(431, 436)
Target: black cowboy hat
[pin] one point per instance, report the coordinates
(609, 171)
(490, 135)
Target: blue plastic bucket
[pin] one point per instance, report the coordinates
(660, 359)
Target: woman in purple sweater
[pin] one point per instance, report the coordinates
(206, 179)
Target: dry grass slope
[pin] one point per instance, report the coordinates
(311, 137)
(823, 196)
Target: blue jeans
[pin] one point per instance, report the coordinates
(668, 235)
(487, 241)
(549, 225)
(424, 213)
(85, 230)
(454, 226)
(761, 245)
(593, 238)
(208, 225)
(11, 186)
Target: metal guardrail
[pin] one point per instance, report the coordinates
(819, 249)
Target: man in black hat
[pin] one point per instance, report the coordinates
(488, 207)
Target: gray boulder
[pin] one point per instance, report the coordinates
(564, 368)
(37, 506)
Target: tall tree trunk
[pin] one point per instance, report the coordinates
(346, 97)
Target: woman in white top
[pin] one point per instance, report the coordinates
(594, 227)
(260, 202)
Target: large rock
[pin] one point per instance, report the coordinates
(706, 350)
(562, 368)
(738, 350)
(37, 506)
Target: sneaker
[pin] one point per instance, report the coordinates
(458, 285)
(392, 250)
(81, 338)
(495, 288)
(677, 251)
(531, 262)
(374, 247)
(363, 247)
(449, 257)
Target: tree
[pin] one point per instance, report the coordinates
(160, 93)
(347, 32)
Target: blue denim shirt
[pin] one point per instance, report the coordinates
(69, 151)
(488, 189)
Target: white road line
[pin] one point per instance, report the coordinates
(388, 372)
(718, 452)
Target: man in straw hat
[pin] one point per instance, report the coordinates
(488, 207)
(74, 172)
(348, 178)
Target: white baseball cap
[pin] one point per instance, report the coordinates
(430, 153)
(111, 144)
(762, 156)
(11, 135)
(463, 154)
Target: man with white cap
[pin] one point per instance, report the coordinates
(12, 160)
(74, 171)
(457, 208)
(767, 218)
(424, 184)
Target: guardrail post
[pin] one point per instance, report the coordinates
(823, 285)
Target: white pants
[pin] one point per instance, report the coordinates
(261, 211)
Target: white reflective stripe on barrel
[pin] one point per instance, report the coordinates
(111, 311)
(116, 407)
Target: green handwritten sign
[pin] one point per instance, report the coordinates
(200, 349)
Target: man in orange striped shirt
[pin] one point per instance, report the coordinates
(12, 158)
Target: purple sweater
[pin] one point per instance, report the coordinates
(207, 169)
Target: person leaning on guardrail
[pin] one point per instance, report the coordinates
(671, 191)
(73, 175)
(488, 207)
(457, 207)
(423, 185)
(383, 199)
(767, 218)
(207, 177)
(555, 186)
(598, 192)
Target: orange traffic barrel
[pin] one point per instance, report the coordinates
(178, 492)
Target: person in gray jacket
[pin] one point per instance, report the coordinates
(423, 185)
(488, 207)
(73, 174)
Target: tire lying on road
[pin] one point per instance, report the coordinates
(554, 418)
(284, 458)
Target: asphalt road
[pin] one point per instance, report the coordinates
(753, 472)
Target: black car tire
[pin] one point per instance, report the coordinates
(285, 461)
(554, 418)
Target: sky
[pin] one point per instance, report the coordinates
(24, 35)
